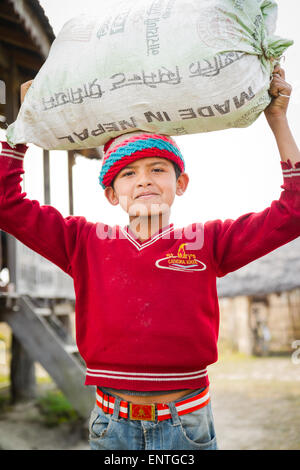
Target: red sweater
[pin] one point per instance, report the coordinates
(147, 314)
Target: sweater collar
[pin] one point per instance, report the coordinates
(155, 237)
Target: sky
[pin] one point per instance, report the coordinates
(232, 172)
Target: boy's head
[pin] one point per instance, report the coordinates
(143, 172)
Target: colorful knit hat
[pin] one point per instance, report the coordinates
(134, 146)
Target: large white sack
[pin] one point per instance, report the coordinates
(167, 66)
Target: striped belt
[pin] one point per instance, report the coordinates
(147, 412)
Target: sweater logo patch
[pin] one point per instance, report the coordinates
(181, 261)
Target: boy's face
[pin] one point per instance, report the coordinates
(147, 187)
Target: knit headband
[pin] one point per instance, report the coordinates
(134, 148)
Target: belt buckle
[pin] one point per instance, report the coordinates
(142, 412)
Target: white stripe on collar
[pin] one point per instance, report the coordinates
(141, 245)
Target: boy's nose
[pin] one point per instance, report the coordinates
(144, 179)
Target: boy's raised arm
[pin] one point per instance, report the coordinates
(41, 228)
(235, 243)
(276, 115)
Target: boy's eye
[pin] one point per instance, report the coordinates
(128, 173)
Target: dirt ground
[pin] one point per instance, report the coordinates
(256, 405)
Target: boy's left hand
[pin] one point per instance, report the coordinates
(279, 104)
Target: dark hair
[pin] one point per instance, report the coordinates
(176, 168)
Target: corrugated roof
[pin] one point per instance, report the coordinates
(278, 271)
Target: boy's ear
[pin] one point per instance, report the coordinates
(111, 196)
(182, 183)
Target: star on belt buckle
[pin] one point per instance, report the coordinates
(142, 412)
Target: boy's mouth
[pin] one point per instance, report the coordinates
(146, 195)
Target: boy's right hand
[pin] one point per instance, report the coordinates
(24, 88)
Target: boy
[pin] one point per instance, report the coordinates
(146, 301)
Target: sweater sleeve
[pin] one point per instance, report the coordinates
(235, 243)
(41, 228)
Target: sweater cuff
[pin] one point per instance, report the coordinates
(14, 152)
(291, 175)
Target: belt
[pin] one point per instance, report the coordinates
(147, 412)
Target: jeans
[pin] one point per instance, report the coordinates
(192, 431)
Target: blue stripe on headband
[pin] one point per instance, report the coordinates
(135, 146)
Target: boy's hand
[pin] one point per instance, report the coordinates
(24, 88)
(277, 109)
(277, 119)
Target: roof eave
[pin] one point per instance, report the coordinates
(38, 25)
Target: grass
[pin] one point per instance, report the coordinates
(56, 409)
(53, 406)
(4, 380)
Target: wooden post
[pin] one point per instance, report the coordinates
(46, 167)
(22, 376)
(22, 369)
(71, 163)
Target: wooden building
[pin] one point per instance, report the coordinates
(34, 311)
(260, 303)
